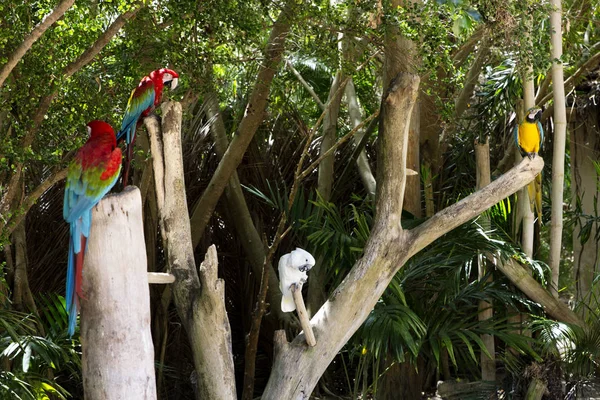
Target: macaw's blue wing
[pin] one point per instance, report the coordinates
(541, 130)
(141, 99)
(516, 136)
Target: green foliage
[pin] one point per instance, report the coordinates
(34, 359)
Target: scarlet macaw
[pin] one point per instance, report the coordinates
(144, 98)
(92, 173)
(529, 136)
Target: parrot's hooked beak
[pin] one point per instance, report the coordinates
(305, 268)
(172, 84)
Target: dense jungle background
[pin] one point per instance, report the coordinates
(501, 306)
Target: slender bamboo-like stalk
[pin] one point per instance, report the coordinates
(560, 138)
(486, 311)
(523, 197)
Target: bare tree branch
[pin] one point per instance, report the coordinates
(306, 85)
(32, 37)
(85, 58)
(473, 205)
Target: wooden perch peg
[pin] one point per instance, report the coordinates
(160, 278)
(303, 315)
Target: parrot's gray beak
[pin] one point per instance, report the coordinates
(305, 268)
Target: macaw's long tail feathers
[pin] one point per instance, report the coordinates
(128, 158)
(538, 196)
(534, 189)
(70, 297)
(79, 267)
(287, 303)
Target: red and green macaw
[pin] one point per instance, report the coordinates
(144, 98)
(529, 136)
(92, 173)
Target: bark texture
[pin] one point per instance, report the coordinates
(117, 350)
(199, 296)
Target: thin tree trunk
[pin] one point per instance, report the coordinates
(326, 170)
(199, 296)
(585, 150)
(118, 355)
(22, 297)
(316, 290)
(362, 162)
(522, 279)
(412, 193)
(560, 137)
(463, 99)
(238, 209)
(486, 311)
(253, 117)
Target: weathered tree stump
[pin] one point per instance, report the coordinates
(118, 356)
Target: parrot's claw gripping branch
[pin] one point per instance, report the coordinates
(303, 315)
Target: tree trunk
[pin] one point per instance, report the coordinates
(332, 111)
(488, 364)
(536, 390)
(117, 351)
(199, 297)
(560, 137)
(316, 290)
(22, 297)
(412, 194)
(253, 117)
(362, 162)
(238, 209)
(585, 150)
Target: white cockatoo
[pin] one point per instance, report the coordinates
(292, 270)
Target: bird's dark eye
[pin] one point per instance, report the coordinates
(306, 260)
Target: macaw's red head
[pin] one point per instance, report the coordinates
(167, 76)
(100, 129)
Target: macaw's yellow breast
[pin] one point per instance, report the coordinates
(529, 137)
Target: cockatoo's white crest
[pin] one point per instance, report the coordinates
(292, 270)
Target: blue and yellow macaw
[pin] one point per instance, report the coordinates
(529, 137)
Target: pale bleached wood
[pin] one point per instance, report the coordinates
(117, 351)
(160, 278)
(198, 295)
(559, 142)
(303, 315)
